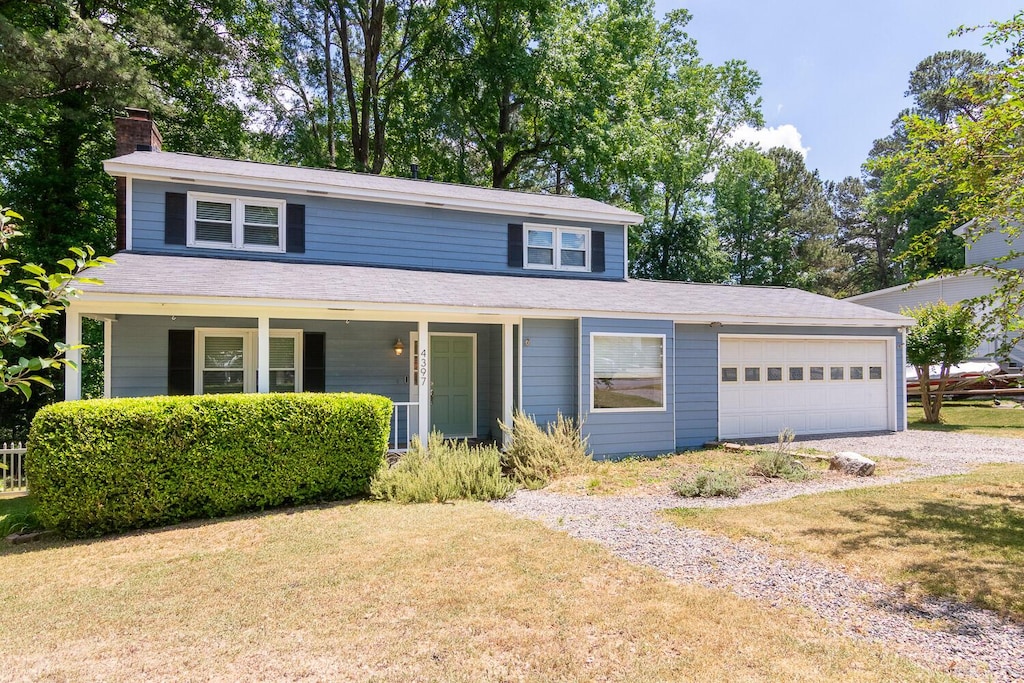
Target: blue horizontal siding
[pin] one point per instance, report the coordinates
(696, 385)
(549, 369)
(615, 434)
(367, 233)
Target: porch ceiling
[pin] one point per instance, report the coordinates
(190, 279)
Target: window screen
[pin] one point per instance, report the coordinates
(262, 226)
(223, 365)
(213, 222)
(540, 247)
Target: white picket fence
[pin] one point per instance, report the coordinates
(399, 439)
(12, 467)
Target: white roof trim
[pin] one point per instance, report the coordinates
(186, 169)
(867, 296)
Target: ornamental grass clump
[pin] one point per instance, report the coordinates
(536, 455)
(780, 463)
(442, 471)
(711, 483)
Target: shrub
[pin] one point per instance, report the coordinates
(536, 455)
(444, 470)
(710, 483)
(108, 465)
(779, 463)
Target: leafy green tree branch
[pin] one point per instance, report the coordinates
(41, 295)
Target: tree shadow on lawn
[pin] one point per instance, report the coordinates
(969, 551)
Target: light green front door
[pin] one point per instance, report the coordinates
(452, 390)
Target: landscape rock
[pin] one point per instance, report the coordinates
(849, 462)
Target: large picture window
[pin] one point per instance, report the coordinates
(224, 222)
(628, 372)
(556, 248)
(227, 361)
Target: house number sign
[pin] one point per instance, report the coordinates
(423, 366)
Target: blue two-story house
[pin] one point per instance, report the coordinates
(461, 304)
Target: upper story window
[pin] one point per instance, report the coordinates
(556, 248)
(224, 222)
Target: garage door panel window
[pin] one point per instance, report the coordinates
(817, 373)
(628, 372)
(796, 373)
(837, 373)
(875, 372)
(730, 374)
(751, 374)
(856, 372)
(774, 374)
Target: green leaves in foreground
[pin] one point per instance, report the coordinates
(40, 295)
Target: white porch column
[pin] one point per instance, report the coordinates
(423, 371)
(108, 356)
(507, 350)
(73, 374)
(263, 355)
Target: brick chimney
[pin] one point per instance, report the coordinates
(135, 132)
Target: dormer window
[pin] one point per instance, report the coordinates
(225, 222)
(549, 247)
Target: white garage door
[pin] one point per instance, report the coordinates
(812, 386)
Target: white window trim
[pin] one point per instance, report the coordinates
(237, 221)
(664, 374)
(249, 350)
(556, 241)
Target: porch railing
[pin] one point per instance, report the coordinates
(402, 430)
(12, 467)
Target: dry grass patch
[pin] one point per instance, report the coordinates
(642, 476)
(973, 417)
(385, 592)
(959, 536)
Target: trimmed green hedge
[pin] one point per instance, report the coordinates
(115, 464)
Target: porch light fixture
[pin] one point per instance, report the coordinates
(399, 347)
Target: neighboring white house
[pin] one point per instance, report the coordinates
(956, 288)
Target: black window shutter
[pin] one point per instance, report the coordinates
(175, 217)
(314, 361)
(597, 251)
(295, 230)
(515, 245)
(181, 356)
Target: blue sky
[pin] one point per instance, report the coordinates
(834, 71)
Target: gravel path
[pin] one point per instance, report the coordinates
(939, 633)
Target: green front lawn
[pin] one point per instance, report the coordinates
(958, 536)
(974, 416)
(16, 514)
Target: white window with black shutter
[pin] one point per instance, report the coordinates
(208, 360)
(225, 222)
(549, 247)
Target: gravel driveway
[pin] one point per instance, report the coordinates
(938, 633)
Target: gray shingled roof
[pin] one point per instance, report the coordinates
(151, 276)
(200, 169)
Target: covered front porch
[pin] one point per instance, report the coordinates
(463, 368)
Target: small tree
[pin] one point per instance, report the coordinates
(22, 310)
(944, 336)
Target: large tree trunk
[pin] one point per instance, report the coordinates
(332, 152)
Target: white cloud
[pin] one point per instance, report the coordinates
(785, 135)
